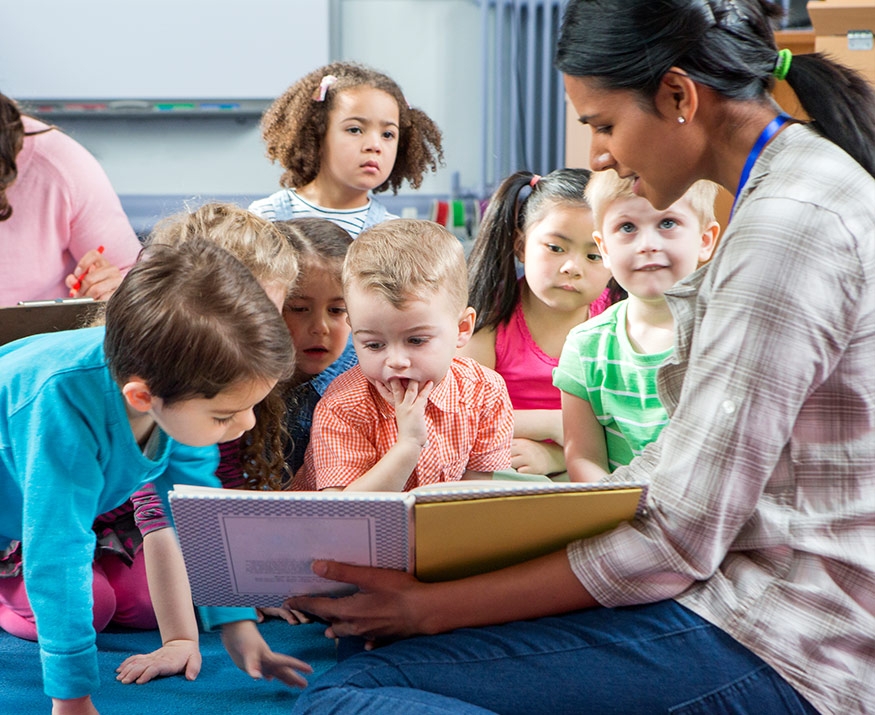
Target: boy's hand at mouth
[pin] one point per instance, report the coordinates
(409, 401)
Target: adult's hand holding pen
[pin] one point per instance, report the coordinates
(94, 277)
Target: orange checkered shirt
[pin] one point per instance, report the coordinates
(469, 419)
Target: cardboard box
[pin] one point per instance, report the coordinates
(844, 30)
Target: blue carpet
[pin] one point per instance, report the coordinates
(220, 687)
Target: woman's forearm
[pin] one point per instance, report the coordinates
(541, 587)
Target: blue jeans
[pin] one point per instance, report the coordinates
(658, 658)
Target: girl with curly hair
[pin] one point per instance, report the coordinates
(342, 133)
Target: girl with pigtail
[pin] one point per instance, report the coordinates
(544, 225)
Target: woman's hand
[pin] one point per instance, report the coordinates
(388, 605)
(93, 277)
(393, 604)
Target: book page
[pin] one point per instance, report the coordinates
(484, 488)
(273, 555)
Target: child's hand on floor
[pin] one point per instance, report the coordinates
(179, 656)
(253, 656)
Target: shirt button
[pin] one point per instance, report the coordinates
(728, 406)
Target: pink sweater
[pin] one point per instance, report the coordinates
(63, 206)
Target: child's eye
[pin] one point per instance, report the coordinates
(553, 248)
(594, 257)
(223, 420)
(627, 227)
(372, 346)
(354, 130)
(388, 135)
(417, 341)
(339, 310)
(667, 223)
(603, 130)
(295, 309)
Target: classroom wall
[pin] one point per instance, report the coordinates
(430, 47)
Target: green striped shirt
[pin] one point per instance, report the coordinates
(599, 365)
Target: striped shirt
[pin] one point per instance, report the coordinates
(761, 507)
(469, 419)
(600, 365)
(148, 508)
(288, 204)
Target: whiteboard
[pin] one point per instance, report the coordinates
(159, 49)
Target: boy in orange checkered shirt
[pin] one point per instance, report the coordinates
(411, 412)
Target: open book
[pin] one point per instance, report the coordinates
(254, 548)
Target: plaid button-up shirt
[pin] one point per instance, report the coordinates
(761, 507)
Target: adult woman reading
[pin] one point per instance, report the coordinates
(749, 584)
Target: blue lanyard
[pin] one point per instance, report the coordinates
(763, 139)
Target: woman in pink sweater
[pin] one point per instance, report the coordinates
(63, 232)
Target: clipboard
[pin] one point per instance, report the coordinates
(45, 316)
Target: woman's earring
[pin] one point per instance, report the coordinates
(681, 120)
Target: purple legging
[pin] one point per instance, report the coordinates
(121, 596)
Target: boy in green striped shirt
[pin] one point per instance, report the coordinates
(607, 371)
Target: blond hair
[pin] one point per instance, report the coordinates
(408, 259)
(272, 260)
(254, 241)
(605, 187)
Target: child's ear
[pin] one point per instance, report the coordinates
(600, 242)
(709, 241)
(519, 246)
(466, 327)
(138, 395)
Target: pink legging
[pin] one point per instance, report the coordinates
(121, 596)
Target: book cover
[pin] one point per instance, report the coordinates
(249, 548)
(464, 537)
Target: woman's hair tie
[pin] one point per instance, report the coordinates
(535, 179)
(782, 64)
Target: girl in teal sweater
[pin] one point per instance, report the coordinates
(89, 416)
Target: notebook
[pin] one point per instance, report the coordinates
(32, 318)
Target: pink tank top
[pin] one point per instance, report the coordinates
(527, 370)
